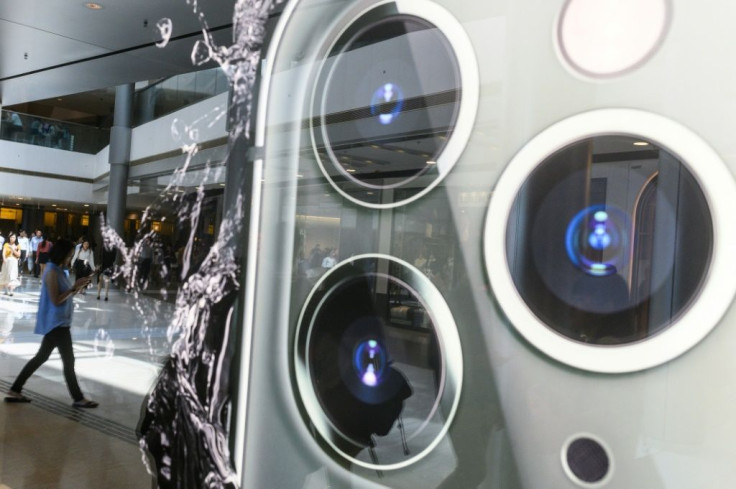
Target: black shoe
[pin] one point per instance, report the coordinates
(105, 298)
(98, 298)
(85, 403)
(16, 397)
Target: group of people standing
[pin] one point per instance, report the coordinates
(18, 251)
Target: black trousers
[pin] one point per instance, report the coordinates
(36, 268)
(61, 338)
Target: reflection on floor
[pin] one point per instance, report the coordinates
(119, 345)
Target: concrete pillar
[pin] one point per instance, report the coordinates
(120, 136)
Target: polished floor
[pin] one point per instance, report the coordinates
(119, 345)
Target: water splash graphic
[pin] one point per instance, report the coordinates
(165, 28)
(183, 429)
(202, 53)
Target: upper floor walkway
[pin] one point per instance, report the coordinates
(54, 160)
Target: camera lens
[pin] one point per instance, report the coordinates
(372, 370)
(609, 240)
(387, 99)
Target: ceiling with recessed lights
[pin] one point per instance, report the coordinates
(53, 48)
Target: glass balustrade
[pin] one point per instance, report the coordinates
(171, 94)
(40, 131)
(152, 102)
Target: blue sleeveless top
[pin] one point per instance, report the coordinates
(49, 315)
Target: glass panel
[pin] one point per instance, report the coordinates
(174, 93)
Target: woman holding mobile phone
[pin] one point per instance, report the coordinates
(54, 320)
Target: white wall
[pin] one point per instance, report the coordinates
(29, 158)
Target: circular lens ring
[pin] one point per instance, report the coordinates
(448, 342)
(717, 289)
(469, 86)
(607, 40)
(387, 102)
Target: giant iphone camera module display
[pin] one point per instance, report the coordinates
(366, 108)
(611, 242)
(381, 395)
(393, 102)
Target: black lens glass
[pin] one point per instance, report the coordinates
(386, 101)
(609, 240)
(588, 460)
(374, 361)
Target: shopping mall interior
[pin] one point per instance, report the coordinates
(62, 65)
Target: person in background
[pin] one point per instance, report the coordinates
(331, 259)
(53, 321)
(9, 274)
(80, 240)
(83, 261)
(42, 253)
(2, 242)
(105, 272)
(16, 126)
(145, 260)
(24, 245)
(35, 241)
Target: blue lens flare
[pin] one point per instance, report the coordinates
(369, 361)
(387, 103)
(597, 240)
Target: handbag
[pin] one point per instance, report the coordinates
(81, 268)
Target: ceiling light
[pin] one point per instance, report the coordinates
(430, 162)
(53, 205)
(86, 205)
(351, 170)
(93, 6)
(641, 143)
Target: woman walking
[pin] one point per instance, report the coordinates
(83, 262)
(9, 274)
(54, 322)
